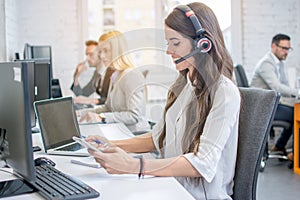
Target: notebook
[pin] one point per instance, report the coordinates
(58, 124)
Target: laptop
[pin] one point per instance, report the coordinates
(58, 124)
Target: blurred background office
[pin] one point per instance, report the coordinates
(247, 25)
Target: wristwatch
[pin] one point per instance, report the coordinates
(103, 117)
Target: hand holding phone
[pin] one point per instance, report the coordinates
(85, 143)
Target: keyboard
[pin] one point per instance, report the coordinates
(54, 184)
(72, 147)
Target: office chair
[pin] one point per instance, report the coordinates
(242, 81)
(258, 107)
(275, 124)
(240, 76)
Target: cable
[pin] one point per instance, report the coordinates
(1, 169)
(203, 188)
(9, 183)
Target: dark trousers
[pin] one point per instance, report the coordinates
(284, 113)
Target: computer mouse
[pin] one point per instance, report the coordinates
(43, 161)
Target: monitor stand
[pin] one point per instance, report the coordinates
(15, 187)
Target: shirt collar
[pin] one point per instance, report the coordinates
(277, 61)
(102, 71)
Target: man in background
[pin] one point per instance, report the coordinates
(270, 73)
(99, 82)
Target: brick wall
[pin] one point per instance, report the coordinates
(63, 25)
(56, 23)
(261, 20)
(2, 32)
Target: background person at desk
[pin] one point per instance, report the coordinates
(126, 100)
(99, 82)
(197, 138)
(270, 74)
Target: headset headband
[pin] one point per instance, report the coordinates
(189, 13)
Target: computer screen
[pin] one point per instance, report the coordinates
(38, 52)
(15, 118)
(41, 52)
(42, 79)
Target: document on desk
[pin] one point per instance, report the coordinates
(112, 131)
(86, 161)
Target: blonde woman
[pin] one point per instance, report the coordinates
(126, 100)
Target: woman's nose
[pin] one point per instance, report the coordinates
(169, 50)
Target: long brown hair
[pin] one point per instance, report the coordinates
(208, 69)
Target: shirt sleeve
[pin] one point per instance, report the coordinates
(218, 127)
(133, 87)
(268, 74)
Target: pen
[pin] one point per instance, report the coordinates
(98, 141)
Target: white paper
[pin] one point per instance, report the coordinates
(86, 161)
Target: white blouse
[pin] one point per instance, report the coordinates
(216, 156)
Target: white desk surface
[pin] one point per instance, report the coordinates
(111, 187)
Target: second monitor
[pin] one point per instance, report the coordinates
(42, 80)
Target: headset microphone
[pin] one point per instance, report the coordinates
(203, 44)
(188, 55)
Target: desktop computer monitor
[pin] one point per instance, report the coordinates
(38, 52)
(41, 52)
(42, 79)
(30, 77)
(27, 52)
(15, 123)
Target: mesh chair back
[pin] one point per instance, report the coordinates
(257, 111)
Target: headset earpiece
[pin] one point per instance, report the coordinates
(202, 43)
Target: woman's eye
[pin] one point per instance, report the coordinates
(176, 44)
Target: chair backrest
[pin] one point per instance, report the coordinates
(240, 76)
(257, 111)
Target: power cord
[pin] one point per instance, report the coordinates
(202, 182)
(6, 185)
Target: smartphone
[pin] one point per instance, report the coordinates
(85, 143)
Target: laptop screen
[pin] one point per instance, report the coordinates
(57, 121)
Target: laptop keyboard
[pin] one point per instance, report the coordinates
(54, 184)
(72, 147)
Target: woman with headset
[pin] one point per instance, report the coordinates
(198, 135)
(126, 99)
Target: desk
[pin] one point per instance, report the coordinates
(296, 138)
(111, 186)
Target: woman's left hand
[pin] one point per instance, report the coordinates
(116, 161)
(90, 118)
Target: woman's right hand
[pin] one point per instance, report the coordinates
(101, 141)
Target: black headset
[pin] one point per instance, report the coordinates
(202, 43)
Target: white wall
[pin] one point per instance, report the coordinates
(63, 25)
(2, 32)
(254, 24)
(56, 23)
